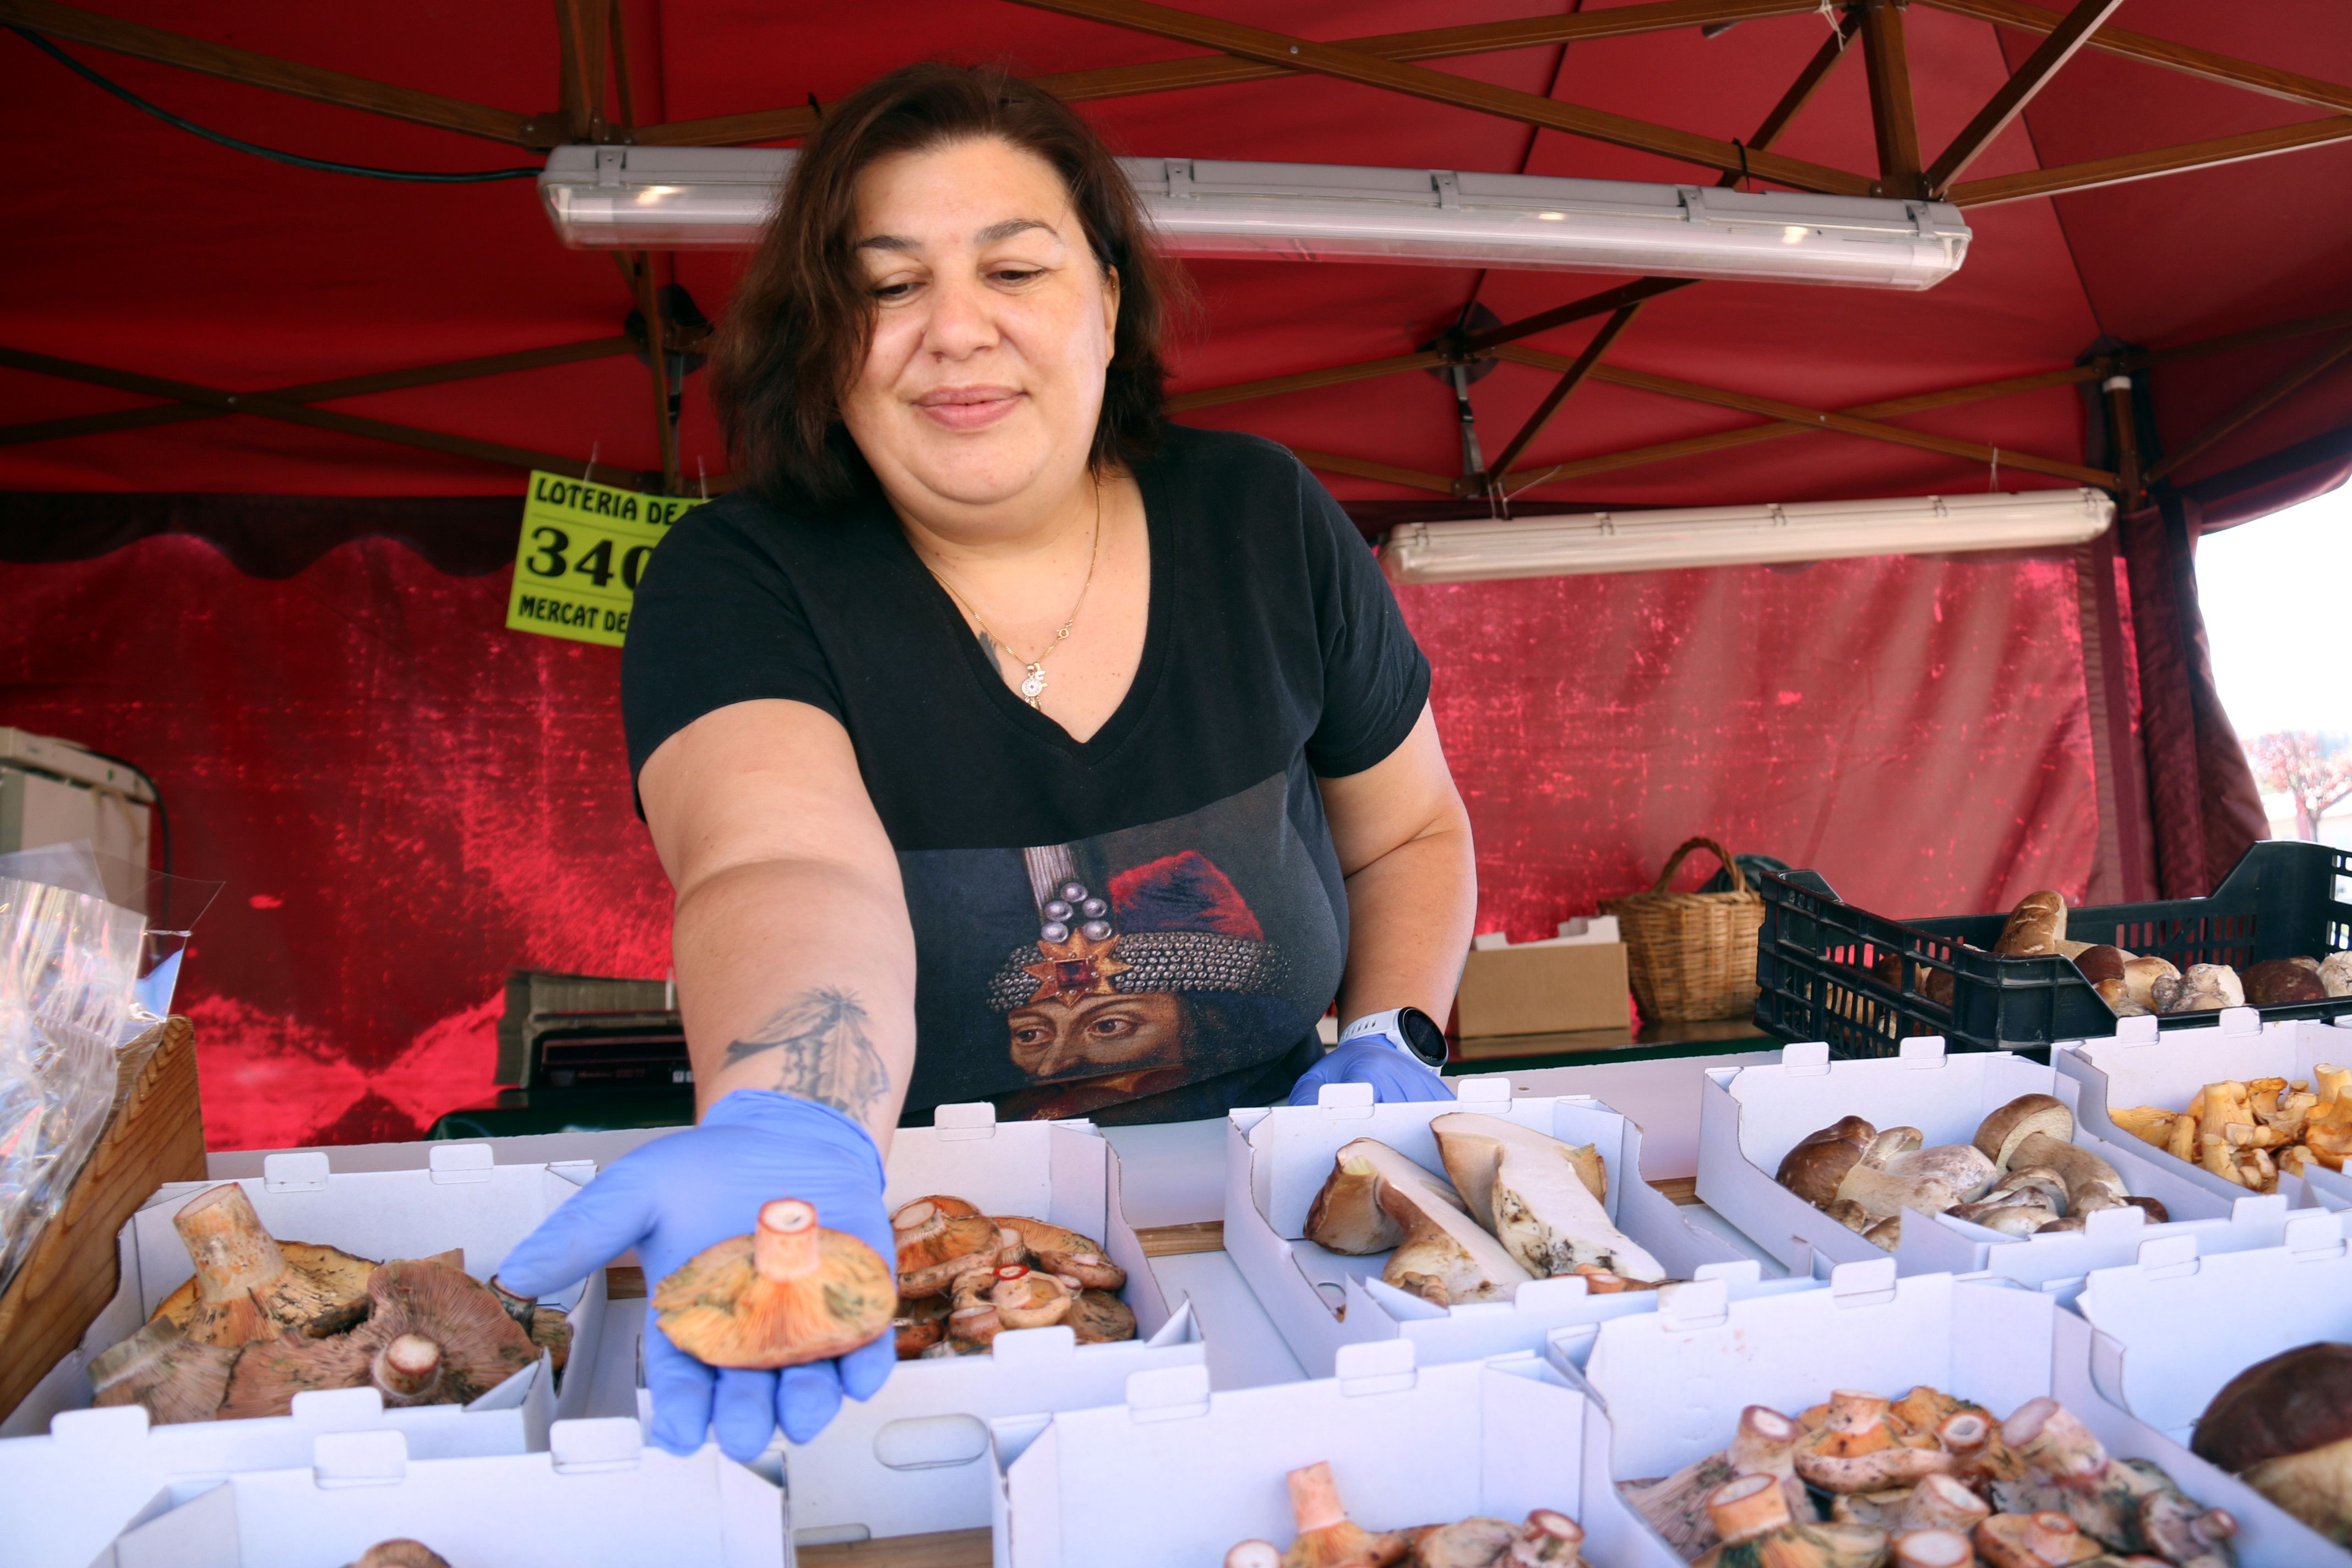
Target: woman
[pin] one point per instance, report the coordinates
(993, 713)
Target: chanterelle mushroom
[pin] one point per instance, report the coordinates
(1813, 1169)
(432, 1337)
(790, 1292)
(1998, 1134)
(1528, 1190)
(2285, 1425)
(250, 1286)
(1376, 1198)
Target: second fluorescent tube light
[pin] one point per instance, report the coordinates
(1575, 544)
(664, 198)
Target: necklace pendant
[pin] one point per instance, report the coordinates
(1034, 685)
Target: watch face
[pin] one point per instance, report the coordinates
(1423, 1035)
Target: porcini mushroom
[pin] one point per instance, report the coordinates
(2336, 973)
(789, 1292)
(2285, 1425)
(2091, 1183)
(1895, 1174)
(250, 1286)
(176, 1377)
(1060, 1250)
(2205, 988)
(400, 1554)
(2027, 1198)
(1813, 1169)
(2282, 982)
(1998, 1134)
(939, 1238)
(1328, 1537)
(432, 1337)
(2036, 926)
(2140, 977)
(1376, 1198)
(1530, 1192)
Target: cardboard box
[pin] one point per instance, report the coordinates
(597, 1496)
(1542, 988)
(1175, 1476)
(2174, 1326)
(2141, 1066)
(107, 1463)
(2059, 1262)
(914, 1458)
(1749, 1117)
(1279, 1158)
(1673, 1382)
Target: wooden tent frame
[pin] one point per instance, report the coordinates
(597, 102)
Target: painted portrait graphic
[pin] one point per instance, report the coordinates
(1140, 962)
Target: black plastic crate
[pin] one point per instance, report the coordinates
(1815, 951)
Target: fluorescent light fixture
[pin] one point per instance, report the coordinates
(666, 197)
(1575, 544)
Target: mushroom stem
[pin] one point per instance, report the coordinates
(1746, 1507)
(1314, 1497)
(233, 1254)
(409, 1365)
(1549, 1537)
(785, 1242)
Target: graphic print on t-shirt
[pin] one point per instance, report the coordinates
(1057, 980)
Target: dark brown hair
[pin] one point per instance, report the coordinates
(800, 321)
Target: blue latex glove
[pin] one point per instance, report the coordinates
(1378, 1059)
(679, 1195)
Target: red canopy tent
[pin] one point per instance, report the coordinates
(214, 371)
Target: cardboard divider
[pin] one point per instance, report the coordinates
(1672, 1384)
(2059, 1262)
(913, 1459)
(598, 1495)
(1176, 1475)
(2177, 1324)
(2141, 1066)
(70, 1474)
(1749, 1117)
(1279, 1159)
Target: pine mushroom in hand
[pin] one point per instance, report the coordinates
(1376, 1199)
(1531, 1192)
(789, 1293)
(250, 1285)
(176, 1377)
(1060, 1250)
(432, 1337)
(2285, 1425)
(1328, 1537)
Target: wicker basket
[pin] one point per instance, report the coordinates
(1691, 955)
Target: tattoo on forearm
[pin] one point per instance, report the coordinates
(823, 1054)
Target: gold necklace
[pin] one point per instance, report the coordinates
(1033, 685)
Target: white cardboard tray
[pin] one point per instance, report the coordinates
(596, 1497)
(1174, 1474)
(2058, 1263)
(1279, 1159)
(1672, 1382)
(1749, 1117)
(70, 1474)
(914, 1458)
(2141, 1066)
(2176, 1325)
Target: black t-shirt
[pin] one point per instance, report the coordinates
(1141, 927)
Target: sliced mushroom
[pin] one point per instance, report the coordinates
(789, 1292)
(250, 1285)
(176, 1377)
(1820, 1160)
(1998, 1134)
(1894, 1174)
(1440, 1254)
(432, 1337)
(1528, 1190)
(2021, 1203)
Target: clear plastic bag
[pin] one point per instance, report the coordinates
(68, 963)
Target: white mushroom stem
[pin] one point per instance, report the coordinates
(409, 1365)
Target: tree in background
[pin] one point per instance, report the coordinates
(2314, 771)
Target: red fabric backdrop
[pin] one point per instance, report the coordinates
(405, 799)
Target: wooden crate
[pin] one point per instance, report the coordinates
(156, 1135)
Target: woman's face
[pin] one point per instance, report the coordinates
(993, 329)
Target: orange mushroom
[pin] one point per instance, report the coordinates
(789, 1292)
(250, 1285)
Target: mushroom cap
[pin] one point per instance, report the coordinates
(1061, 1250)
(2282, 982)
(250, 1286)
(2296, 1401)
(401, 1553)
(176, 1377)
(475, 1347)
(2037, 925)
(1998, 1134)
(1813, 1169)
(1099, 1318)
(722, 1308)
(2102, 962)
(1891, 1142)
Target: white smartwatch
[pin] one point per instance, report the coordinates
(1410, 1029)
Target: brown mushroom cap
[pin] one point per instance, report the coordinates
(938, 1239)
(432, 1336)
(2102, 962)
(401, 1553)
(176, 1377)
(2037, 925)
(1099, 1318)
(789, 1293)
(250, 1285)
(2296, 1401)
(1060, 1250)
(2282, 982)
(1998, 1134)
(1820, 1160)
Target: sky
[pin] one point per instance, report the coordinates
(2274, 593)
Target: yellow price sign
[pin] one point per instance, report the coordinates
(582, 548)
